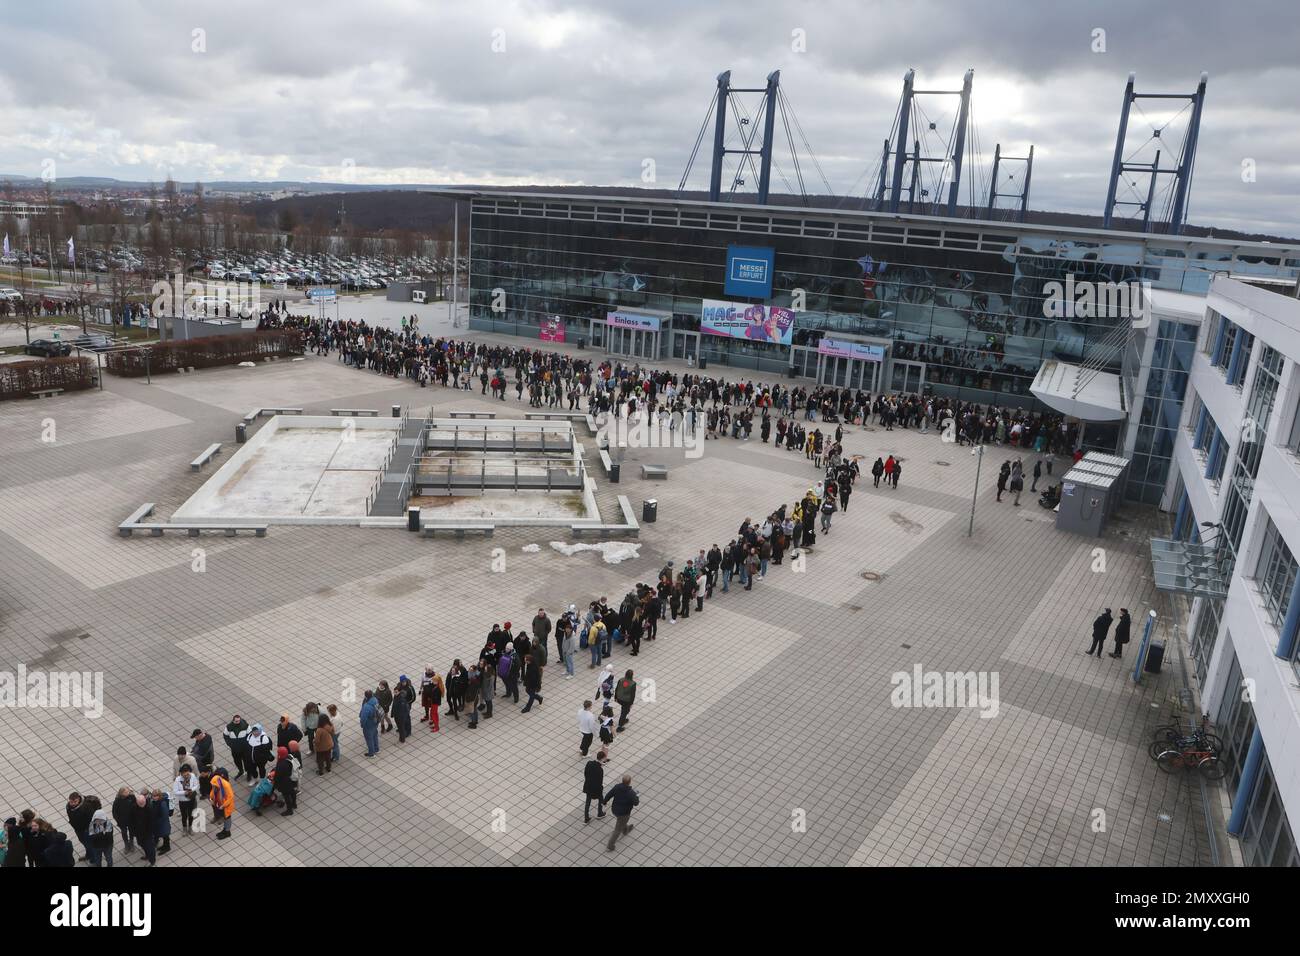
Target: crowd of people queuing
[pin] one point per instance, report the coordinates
(552, 379)
(513, 658)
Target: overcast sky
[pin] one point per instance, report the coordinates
(539, 92)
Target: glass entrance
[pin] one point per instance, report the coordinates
(906, 377)
(843, 372)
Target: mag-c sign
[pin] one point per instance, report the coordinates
(738, 320)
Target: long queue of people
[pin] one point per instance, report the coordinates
(552, 379)
(271, 762)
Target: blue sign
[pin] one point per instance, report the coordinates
(749, 271)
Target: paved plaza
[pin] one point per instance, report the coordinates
(770, 740)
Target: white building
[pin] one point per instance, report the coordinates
(1235, 485)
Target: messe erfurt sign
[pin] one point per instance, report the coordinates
(842, 348)
(749, 271)
(633, 320)
(320, 293)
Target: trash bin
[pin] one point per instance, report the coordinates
(1155, 657)
(703, 363)
(649, 510)
(397, 411)
(241, 433)
(791, 372)
(412, 519)
(614, 471)
(582, 343)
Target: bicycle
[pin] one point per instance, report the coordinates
(1205, 761)
(1175, 737)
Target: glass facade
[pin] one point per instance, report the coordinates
(1205, 635)
(1266, 838)
(967, 303)
(1162, 407)
(1250, 446)
(1275, 574)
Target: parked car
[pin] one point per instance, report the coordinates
(47, 348)
(94, 341)
(10, 294)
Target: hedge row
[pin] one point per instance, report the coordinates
(208, 352)
(21, 379)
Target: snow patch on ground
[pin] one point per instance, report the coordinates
(613, 552)
(531, 548)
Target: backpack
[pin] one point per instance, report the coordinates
(102, 839)
(295, 771)
(503, 666)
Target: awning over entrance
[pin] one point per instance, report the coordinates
(1188, 567)
(1081, 392)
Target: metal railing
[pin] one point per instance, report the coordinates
(453, 474)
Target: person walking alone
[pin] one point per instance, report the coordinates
(621, 798)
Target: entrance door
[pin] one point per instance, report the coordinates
(907, 377)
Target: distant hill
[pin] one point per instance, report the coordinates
(428, 211)
(414, 206)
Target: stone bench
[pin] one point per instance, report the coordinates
(554, 416)
(138, 515)
(459, 530)
(46, 392)
(193, 529)
(654, 471)
(355, 412)
(206, 457)
(608, 464)
(630, 528)
(252, 416)
(281, 411)
(135, 523)
(471, 414)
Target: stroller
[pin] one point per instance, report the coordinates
(262, 796)
(1051, 497)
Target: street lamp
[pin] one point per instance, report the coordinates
(979, 461)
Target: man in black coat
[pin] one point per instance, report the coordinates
(1121, 633)
(1099, 629)
(542, 627)
(79, 813)
(201, 750)
(622, 798)
(593, 785)
(532, 683)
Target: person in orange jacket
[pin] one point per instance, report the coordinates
(222, 795)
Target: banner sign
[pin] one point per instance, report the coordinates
(633, 320)
(749, 271)
(736, 320)
(552, 330)
(842, 348)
